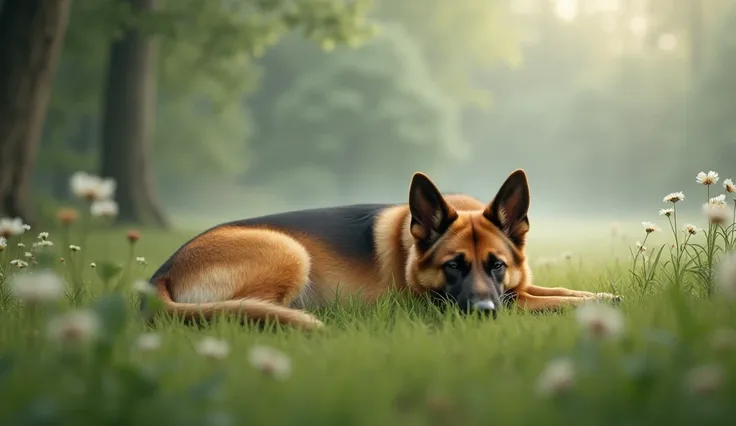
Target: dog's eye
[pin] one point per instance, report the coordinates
(497, 265)
(453, 264)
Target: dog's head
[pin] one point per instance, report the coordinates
(467, 251)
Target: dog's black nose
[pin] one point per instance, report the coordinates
(486, 306)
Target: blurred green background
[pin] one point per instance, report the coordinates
(237, 108)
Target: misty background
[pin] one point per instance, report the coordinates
(607, 104)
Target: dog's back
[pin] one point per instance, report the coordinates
(278, 258)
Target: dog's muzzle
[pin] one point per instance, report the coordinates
(486, 306)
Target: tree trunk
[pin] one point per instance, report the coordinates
(31, 38)
(128, 122)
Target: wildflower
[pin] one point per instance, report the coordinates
(74, 248)
(92, 265)
(718, 201)
(729, 186)
(104, 208)
(28, 254)
(615, 226)
(78, 326)
(690, 229)
(67, 216)
(704, 379)
(723, 339)
(650, 227)
(43, 243)
(92, 188)
(141, 260)
(600, 320)
(727, 275)
(271, 362)
(557, 377)
(674, 197)
(11, 227)
(20, 264)
(43, 236)
(640, 246)
(133, 236)
(21, 245)
(716, 213)
(143, 287)
(147, 342)
(3, 244)
(707, 178)
(212, 348)
(26, 227)
(40, 287)
(666, 212)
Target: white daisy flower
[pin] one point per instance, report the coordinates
(141, 260)
(20, 264)
(74, 248)
(212, 348)
(271, 362)
(143, 287)
(729, 186)
(666, 212)
(92, 188)
(104, 208)
(690, 229)
(40, 287)
(709, 178)
(650, 227)
(557, 377)
(600, 320)
(43, 236)
(704, 379)
(718, 201)
(674, 197)
(11, 227)
(43, 243)
(716, 213)
(3, 243)
(147, 342)
(76, 327)
(640, 246)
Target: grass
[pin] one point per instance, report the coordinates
(398, 362)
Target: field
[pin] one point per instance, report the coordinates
(666, 353)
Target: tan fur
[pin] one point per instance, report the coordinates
(265, 273)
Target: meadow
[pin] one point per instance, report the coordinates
(74, 348)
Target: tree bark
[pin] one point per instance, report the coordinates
(31, 38)
(128, 122)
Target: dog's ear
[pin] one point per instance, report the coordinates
(508, 210)
(430, 213)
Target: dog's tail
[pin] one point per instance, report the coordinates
(249, 308)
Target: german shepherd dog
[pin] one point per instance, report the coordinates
(277, 267)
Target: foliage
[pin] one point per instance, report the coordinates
(353, 112)
(461, 40)
(655, 358)
(205, 71)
